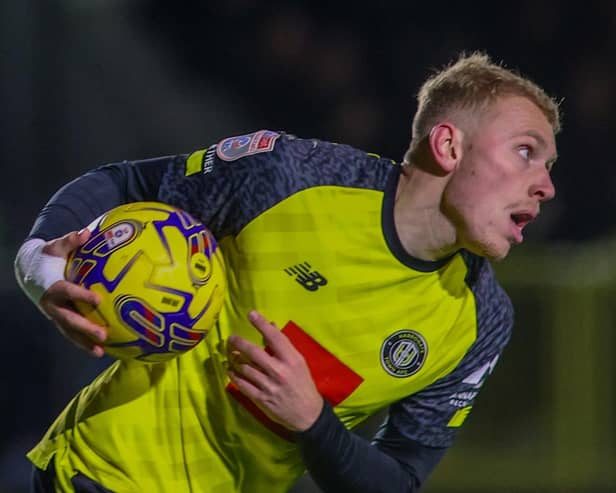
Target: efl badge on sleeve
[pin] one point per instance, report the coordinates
(233, 148)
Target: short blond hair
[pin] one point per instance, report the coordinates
(472, 84)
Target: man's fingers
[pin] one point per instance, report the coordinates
(63, 291)
(240, 350)
(245, 386)
(58, 302)
(250, 360)
(75, 292)
(251, 374)
(273, 337)
(59, 299)
(61, 247)
(236, 357)
(71, 320)
(83, 342)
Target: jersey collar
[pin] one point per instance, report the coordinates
(391, 235)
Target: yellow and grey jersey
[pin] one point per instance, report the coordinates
(307, 231)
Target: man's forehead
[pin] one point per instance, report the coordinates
(523, 116)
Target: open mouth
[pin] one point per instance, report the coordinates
(521, 219)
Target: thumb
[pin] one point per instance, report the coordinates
(61, 247)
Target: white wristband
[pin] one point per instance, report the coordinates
(36, 270)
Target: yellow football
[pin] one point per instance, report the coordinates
(160, 275)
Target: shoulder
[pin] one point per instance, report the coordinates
(229, 183)
(299, 162)
(494, 309)
(266, 144)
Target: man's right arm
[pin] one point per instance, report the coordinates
(40, 262)
(82, 200)
(223, 186)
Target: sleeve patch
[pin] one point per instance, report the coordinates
(459, 416)
(233, 148)
(200, 161)
(194, 163)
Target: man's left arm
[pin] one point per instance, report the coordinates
(339, 460)
(278, 381)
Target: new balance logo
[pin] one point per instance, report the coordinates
(309, 279)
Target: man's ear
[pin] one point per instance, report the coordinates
(446, 146)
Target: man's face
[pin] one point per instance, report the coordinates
(502, 178)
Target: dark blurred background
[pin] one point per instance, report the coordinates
(88, 82)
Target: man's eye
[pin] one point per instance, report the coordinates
(524, 151)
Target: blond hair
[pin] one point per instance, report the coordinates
(471, 84)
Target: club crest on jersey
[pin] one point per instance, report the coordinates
(403, 353)
(233, 148)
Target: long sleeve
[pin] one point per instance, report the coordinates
(82, 200)
(340, 460)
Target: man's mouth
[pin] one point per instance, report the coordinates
(519, 220)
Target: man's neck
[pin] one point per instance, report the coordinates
(425, 233)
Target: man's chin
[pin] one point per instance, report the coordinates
(498, 258)
(496, 255)
(492, 251)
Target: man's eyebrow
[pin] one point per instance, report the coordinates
(536, 135)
